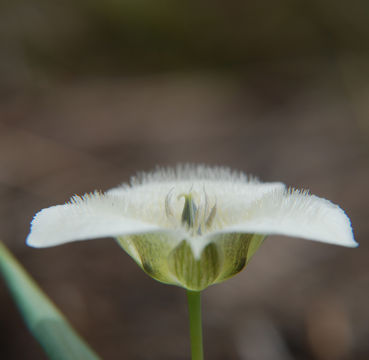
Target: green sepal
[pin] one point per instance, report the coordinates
(236, 250)
(164, 259)
(150, 251)
(195, 274)
(255, 242)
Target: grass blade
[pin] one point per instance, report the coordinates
(47, 324)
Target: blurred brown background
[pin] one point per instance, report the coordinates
(93, 91)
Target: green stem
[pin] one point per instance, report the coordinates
(194, 309)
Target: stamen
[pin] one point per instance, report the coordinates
(211, 216)
(168, 208)
(206, 207)
(198, 220)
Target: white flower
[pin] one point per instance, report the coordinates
(192, 226)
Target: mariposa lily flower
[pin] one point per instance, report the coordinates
(192, 226)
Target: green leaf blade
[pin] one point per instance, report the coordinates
(47, 324)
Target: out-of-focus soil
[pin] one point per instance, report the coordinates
(296, 300)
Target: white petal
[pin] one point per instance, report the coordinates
(298, 214)
(90, 217)
(230, 191)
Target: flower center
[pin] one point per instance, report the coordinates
(197, 217)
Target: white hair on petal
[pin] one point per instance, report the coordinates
(155, 197)
(190, 172)
(297, 213)
(90, 216)
(97, 200)
(226, 201)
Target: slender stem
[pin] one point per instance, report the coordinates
(194, 309)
